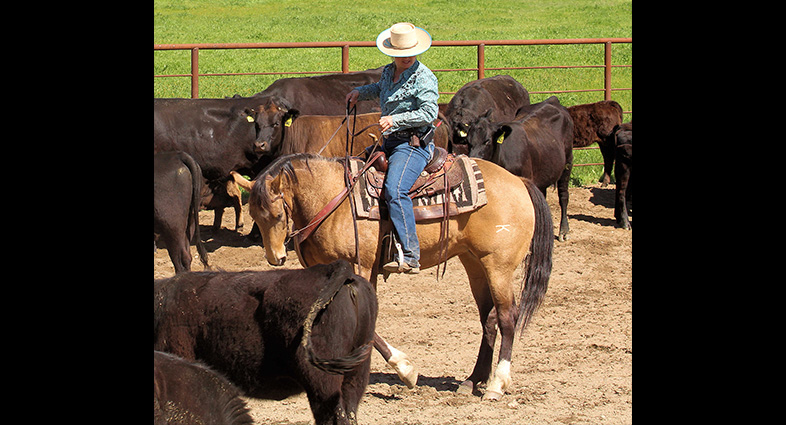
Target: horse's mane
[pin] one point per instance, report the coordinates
(282, 164)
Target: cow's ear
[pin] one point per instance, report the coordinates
(501, 133)
(241, 181)
(249, 114)
(290, 116)
(488, 113)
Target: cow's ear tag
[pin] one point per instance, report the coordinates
(288, 122)
(462, 133)
(249, 118)
(501, 138)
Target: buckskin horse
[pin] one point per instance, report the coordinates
(491, 243)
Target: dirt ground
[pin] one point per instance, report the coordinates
(573, 364)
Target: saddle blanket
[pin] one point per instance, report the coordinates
(468, 196)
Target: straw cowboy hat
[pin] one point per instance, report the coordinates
(403, 40)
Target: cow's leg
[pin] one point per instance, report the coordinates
(325, 399)
(398, 360)
(219, 214)
(177, 246)
(607, 150)
(238, 219)
(353, 388)
(620, 205)
(564, 195)
(488, 321)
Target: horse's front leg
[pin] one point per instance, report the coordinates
(397, 360)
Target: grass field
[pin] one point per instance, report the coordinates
(237, 21)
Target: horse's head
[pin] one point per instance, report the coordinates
(269, 209)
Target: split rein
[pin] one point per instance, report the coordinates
(304, 232)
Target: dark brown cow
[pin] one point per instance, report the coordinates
(623, 173)
(596, 123)
(501, 93)
(177, 184)
(310, 133)
(538, 146)
(191, 393)
(262, 329)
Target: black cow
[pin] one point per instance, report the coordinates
(191, 393)
(258, 328)
(596, 123)
(502, 94)
(220, 134)
(177, 184)
(538, 146)
(623, 173)
(325, 94)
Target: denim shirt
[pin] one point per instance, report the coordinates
(411, 102)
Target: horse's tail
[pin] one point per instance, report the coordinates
(196, 196)
(357, 356)
(539, 264)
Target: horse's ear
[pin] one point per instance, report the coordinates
(273, 184)
(242, 182)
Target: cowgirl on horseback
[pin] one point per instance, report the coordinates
(408, 95)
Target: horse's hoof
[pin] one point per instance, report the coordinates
(466, 388)
(407, 373)
(492, 396)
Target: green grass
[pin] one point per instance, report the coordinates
(237, 21)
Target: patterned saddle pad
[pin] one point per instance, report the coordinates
(466, 189)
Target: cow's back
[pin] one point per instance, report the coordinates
(325, 94)
(595, 122)
(190, 392)
(310, 133)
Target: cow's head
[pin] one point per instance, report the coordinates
(485, 135)
(270, 119)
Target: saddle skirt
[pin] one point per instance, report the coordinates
(464, 184)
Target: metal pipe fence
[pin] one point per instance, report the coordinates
(345, 46)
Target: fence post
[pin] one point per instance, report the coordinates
(481, 61)
(607, 75)
(195, 73)
(345, 58)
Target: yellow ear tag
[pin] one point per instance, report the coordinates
(288, 122)
(501, 138)
(462, 133)
(249, 118)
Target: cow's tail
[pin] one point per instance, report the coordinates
(342, 276)
(539, 264)
(196, 196)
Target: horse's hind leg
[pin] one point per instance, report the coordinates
(488, 321)
(499, 278)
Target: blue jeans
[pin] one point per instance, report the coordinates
(405, 163)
